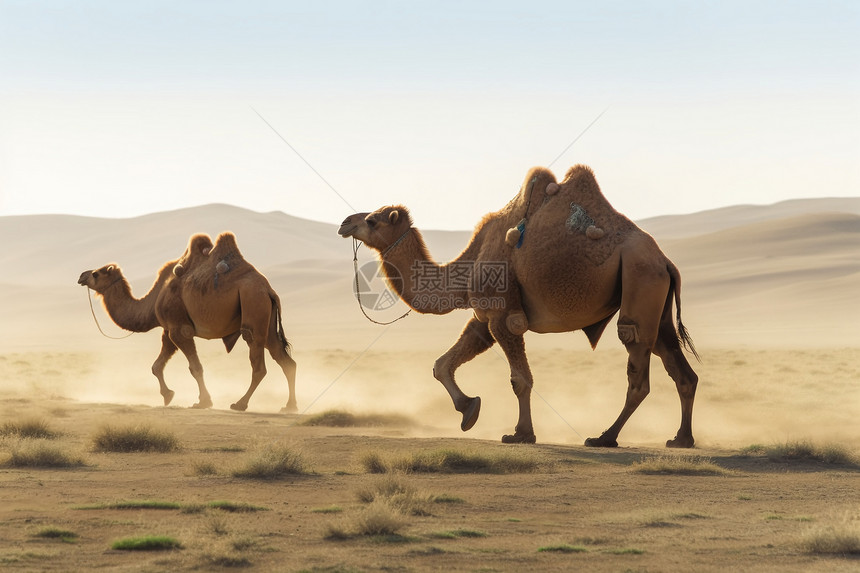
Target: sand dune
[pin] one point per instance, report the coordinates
(751, 274)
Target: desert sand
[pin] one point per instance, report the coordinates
(769, 295)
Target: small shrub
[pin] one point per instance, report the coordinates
(204, 468)
(37, 454)
(344, 419)
(457, 533)
(828, 453)
(274, 461)
(380, 518)
(373, 463)
(152, 543)
(841, 539)
(30, 428)
(678, 464)
(140, 438)
(396, 491)
(447, 460)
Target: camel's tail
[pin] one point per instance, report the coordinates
(276, 305)
(683, 334)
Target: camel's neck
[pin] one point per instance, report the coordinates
(136, 315)
(422, 283)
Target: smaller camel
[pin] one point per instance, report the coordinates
(210, 292)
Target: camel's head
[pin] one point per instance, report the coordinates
(380, 229)
(101, 279)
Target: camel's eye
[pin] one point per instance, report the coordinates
(371, 223)
(95, 274)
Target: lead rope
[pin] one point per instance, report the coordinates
(356, 244)
(96, 320)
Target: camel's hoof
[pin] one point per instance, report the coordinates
(470, 415)
(239, 407)
(519, 439)
(680, 442)
(289, 409)
(601, 442)
(201, 405)
(168, 397)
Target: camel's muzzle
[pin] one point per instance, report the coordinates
(85, 278)
(350, 224)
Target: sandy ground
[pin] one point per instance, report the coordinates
(755, 517)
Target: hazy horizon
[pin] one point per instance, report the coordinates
(117, 110)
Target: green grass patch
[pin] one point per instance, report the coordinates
(29, 453)
(678, 464)
(150, 543)
(344, 419)
(272, 462)
(140, 438)
(28, 428)
(234, 507)
(563, 548)
(56, 533)
(445, 498)
(448, 460)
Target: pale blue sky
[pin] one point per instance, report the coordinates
(119, 109)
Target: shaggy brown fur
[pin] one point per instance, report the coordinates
(210, 292)
(575, 264)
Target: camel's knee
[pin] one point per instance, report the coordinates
(442, 369)
(247, 333)
(520, 385)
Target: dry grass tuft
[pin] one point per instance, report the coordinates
(28, 453)
(28, 428)
(678, 464)
(448, 460)
(140, 438)
(344, 419)
(271, 462)
(805, 451)
(842, 538)
(398, 493)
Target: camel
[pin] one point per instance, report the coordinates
(556, 258)
(210, 292)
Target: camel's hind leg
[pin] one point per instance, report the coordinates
(256, 314)
(168, 349)
(184, 338)
(668, 348)
(278, 351)
(474, 340)
(644, 288)
(521, 380)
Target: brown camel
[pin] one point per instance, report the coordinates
(210, 292)
(557, 258)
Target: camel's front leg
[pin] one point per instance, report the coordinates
(474, 340)
(184, 339)
(521, 379)
(168, 349)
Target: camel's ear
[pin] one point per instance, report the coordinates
(393, 216)
(110, 269)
